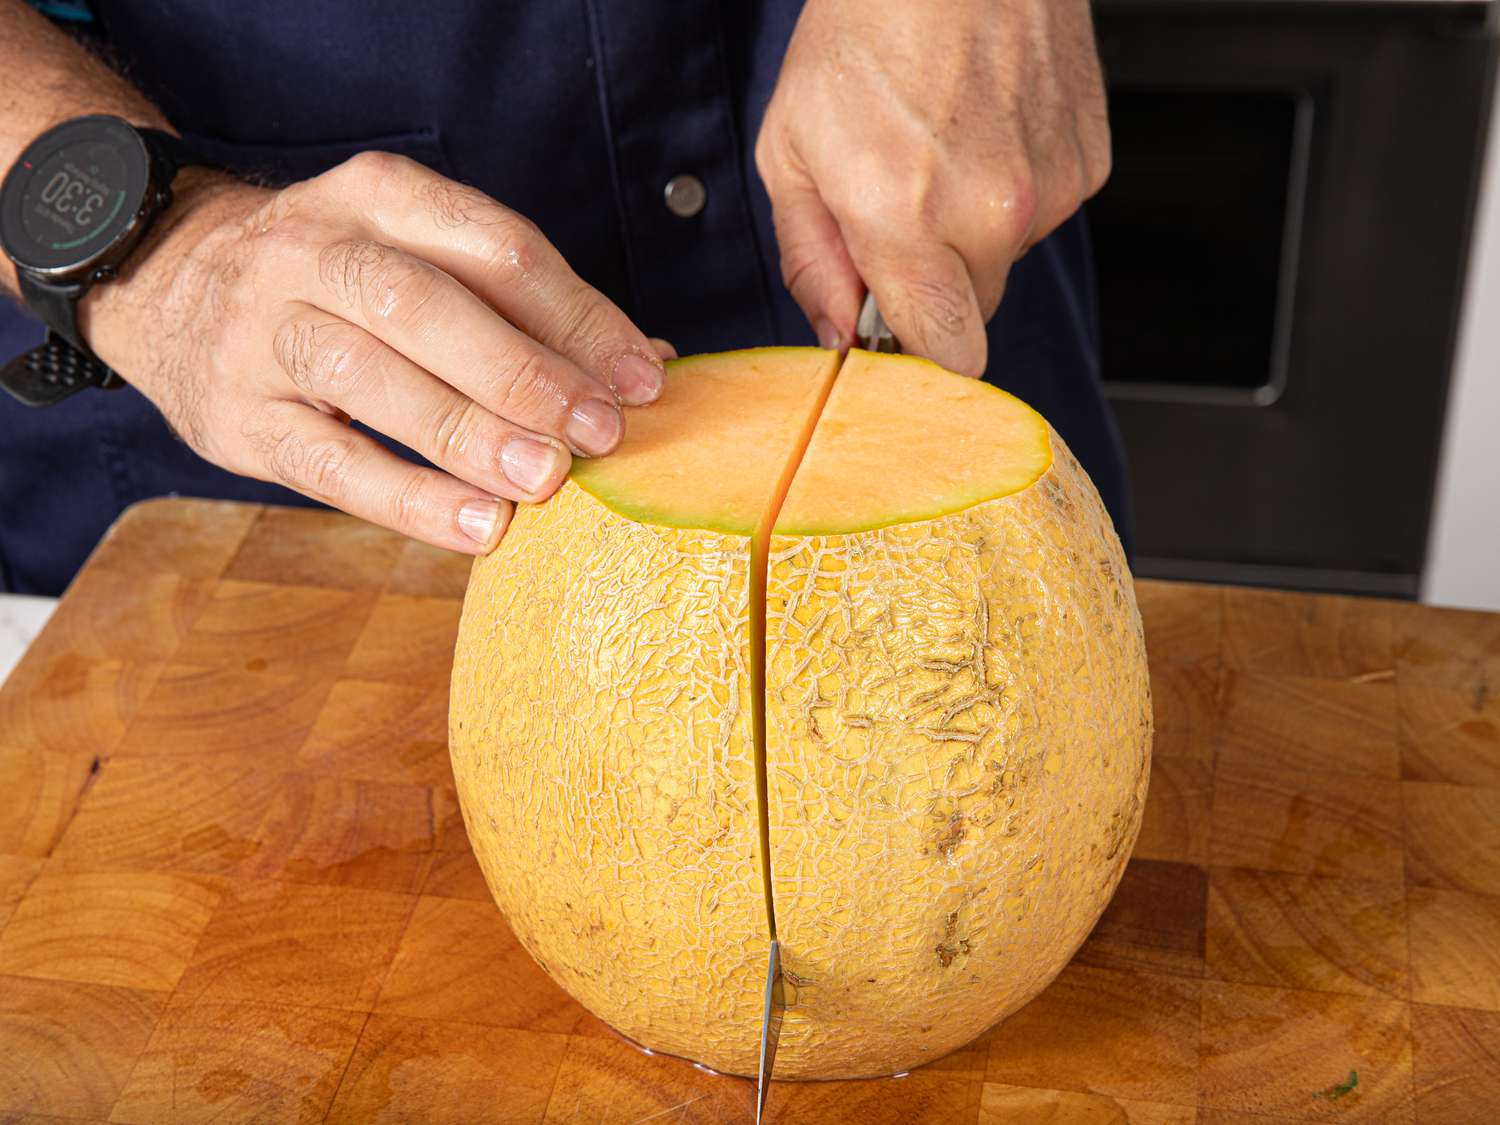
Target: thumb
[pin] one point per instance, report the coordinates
(815, 263)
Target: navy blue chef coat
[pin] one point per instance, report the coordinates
(576, 115)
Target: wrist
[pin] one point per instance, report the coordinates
(125, 320)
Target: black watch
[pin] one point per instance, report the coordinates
(72, 208)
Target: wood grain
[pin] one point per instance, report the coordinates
(407, 640)
(234, 884)
(189, 538)
(1428, 636)
(1185, 700)
(214, 713)
(351, 833)
(1291, 635)
(41, 790)
(1454, 956)
(1179, 807)
(1452, 836)
(1274, 1050)
(1184, 622)
(210, 1061)
(456, 874)
(67, 1048)
(16, 875)
(1450, 723)
(289, 547)
(425, 571)
(68, 702)
(1104, 1031)
(1286, 722)
(459, 960)
(1295, 931)
(1455, 1063)
(260, 627)
(135, 929)
(1305, 821)
(380, 732)
(322, 947)
(119, 615)
(443, 1072)
(165, 814)
(1154, 923)
(1003, 1105)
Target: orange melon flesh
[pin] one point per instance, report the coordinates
(741, 439)
(714, 452)
(902, 440)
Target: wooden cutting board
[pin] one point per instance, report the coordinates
(234, 884)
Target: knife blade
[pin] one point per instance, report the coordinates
(770, 1027)
(872, 331)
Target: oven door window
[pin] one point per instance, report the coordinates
(1197, 234)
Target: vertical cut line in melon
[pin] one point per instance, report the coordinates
(760, 563)
(718, 452)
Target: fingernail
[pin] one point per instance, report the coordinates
(480, 519)
(529, 464)
(594, 427)
(636, 380)
(828, 335)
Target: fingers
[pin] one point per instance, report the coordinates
(335, 363)
(318, 456)
(937, 269)
(438, 324)
(815, 263)
(503, 257)
(663, 348)
(927, 296)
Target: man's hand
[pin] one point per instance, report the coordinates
(918, 149)
(261, 322)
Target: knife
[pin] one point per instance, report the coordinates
(872, 331)
(770, 1027)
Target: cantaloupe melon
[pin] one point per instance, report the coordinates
(844, 653)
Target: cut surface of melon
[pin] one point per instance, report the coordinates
(902, 440)
(712, 453)
(899, 439)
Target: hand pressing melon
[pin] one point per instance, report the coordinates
(847, 653)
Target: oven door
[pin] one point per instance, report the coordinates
(1281, 251)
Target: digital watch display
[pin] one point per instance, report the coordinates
(72, 208)
(76, 193)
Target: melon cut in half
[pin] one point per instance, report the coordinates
(844, 652)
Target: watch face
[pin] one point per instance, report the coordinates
(74, 194)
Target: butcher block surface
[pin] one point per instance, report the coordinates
(235, 885)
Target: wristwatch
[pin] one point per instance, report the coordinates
(72, 208)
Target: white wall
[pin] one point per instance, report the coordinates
(1463, 548)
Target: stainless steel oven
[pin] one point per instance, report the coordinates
(1281, 254)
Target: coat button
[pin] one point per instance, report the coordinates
(685, 195)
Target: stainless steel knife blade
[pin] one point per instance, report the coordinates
(770, 1027)
(872, 331)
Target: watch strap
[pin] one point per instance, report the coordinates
(52, 371)
(54, 305)
(171, 151)
(62, 364)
